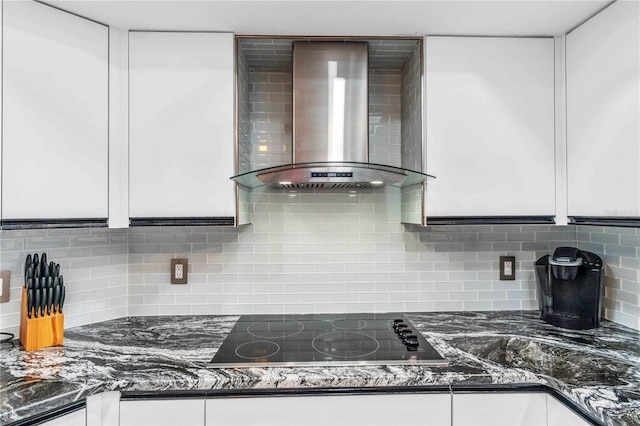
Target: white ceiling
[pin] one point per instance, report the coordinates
(355, 17)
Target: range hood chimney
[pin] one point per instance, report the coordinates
(330, 124)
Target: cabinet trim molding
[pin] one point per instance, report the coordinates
(45, 416)
(489, 220)
(16, 224)
(183, 221)
(622, 222)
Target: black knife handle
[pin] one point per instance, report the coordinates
(56, 299)
(36, 259)
(36, 302)
(43, 258)
(29, 276)
(27, 264)
(50, 310)
(43, 302)
(29, 303)
(63, 294)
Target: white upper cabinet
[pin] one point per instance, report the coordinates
(55, 114)
(603, 114)
(181, 144)
(490, 126)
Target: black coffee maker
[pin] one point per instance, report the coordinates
(570, 288)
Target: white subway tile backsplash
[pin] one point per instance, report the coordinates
(256, 270)
(620, 250)
(499, 305)
(463, 295)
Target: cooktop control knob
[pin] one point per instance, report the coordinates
(397, 321)
(410, 340)
(404, 333)
(399, 327)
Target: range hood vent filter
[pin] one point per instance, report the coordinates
(328, 185)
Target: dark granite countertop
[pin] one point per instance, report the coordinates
(598, 370)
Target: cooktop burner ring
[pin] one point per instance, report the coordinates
(259, 349)
(275, 329)
(364, 344)
(349, 324)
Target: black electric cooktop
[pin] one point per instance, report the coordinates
(325, 339)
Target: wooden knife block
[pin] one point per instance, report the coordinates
(36, 333)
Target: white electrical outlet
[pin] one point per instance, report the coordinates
(179, 271)
(508, 268)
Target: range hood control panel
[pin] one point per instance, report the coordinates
(331, 174)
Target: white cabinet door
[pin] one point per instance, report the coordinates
(182, 412)
(54, 114)
(103, 409)
(181, 124)
(509, 409)
(603, 114)
(559, 415)
(389, 409)
(77, 418)
(490, 126)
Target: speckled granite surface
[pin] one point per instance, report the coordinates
(599, 370)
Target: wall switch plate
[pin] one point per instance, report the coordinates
(179, 271)
(507, 268)
(4, 286)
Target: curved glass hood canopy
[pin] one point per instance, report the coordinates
(331, 175)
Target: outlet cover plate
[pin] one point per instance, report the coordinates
(174, 265)
(6, 288)
(507, 268)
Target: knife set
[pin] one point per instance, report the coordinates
(43, 294)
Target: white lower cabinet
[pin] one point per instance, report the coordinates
(559, 415)
(103, 409)
(509, 409)
(162, 412)
(425, 409)
(390, 409)
(77, 418)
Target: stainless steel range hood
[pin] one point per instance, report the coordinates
(330, 124)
